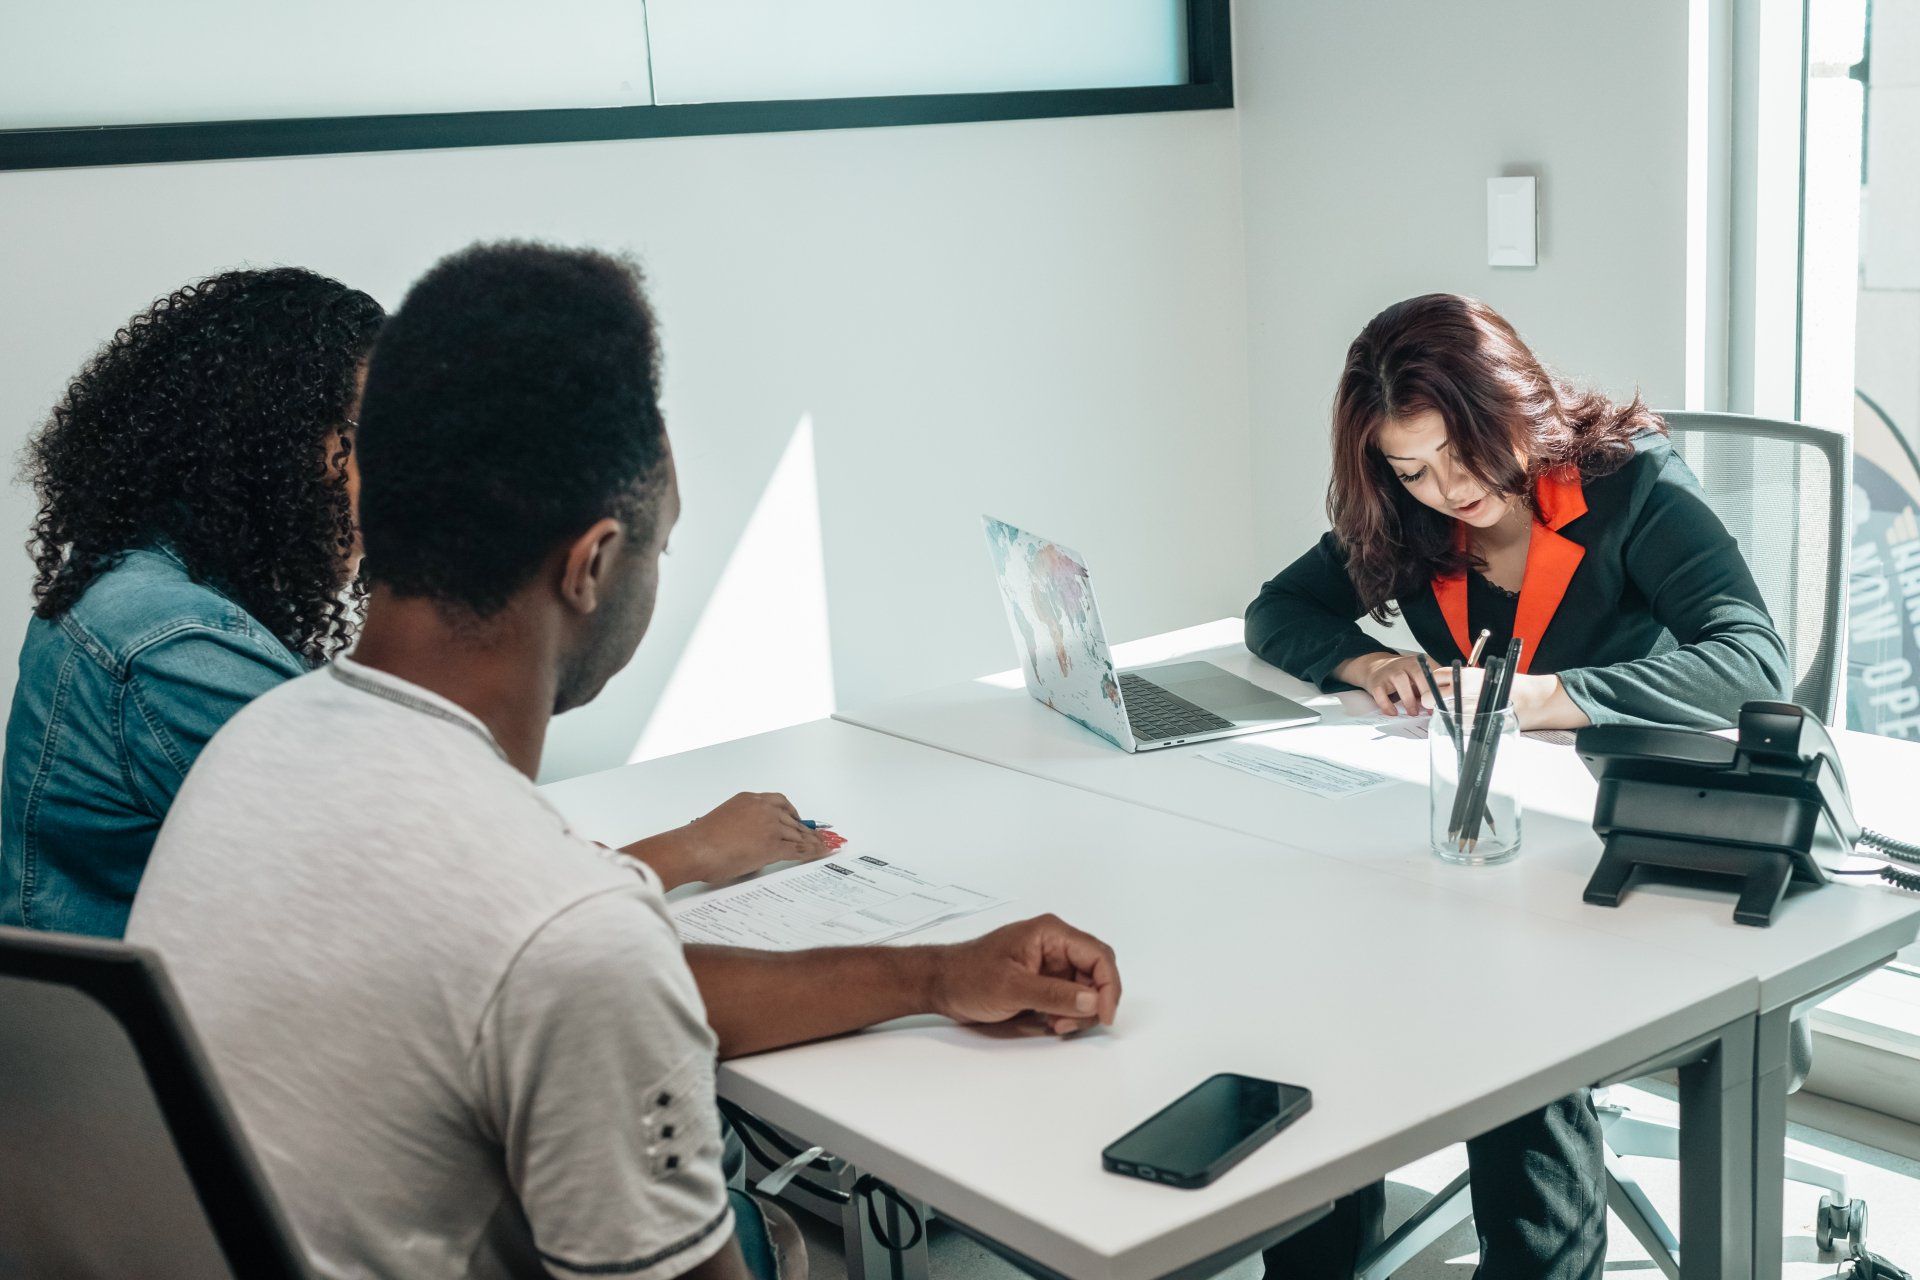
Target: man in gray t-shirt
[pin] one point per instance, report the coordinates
(429, 1000)
(463, 1041)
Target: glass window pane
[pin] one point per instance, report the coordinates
(753, 50)
(96, 62)
(1860, 328)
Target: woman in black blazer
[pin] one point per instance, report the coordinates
(1474, 490)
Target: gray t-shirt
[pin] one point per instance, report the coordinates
(463, 1041)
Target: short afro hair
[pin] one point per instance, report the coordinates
(512, 400)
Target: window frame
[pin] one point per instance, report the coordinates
(1209, 86)
(1878, 1065)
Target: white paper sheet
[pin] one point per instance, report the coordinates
(1304, 773)
(1416, 727)
(844, 901)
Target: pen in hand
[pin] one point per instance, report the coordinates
(1479, 643)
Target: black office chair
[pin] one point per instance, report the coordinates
(118, 1154)
(1783, 490)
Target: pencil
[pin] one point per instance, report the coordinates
(1459, 702)
(1439, 701)
(1483, 781)
(1476, 727)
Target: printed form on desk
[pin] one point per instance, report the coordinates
(1416, 727)
(1311, 774)
(841, 902)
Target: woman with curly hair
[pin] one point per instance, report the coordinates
(195, 547)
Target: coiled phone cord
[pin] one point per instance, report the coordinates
(1878, 844)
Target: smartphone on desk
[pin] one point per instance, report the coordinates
(1207, 1130)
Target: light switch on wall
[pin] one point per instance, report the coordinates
(1511, 222)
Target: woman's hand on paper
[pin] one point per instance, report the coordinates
(747, 833)
(1394, 681)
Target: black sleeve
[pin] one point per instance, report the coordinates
(1699, 588)
(1304, 620)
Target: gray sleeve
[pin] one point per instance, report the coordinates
(594, 1064)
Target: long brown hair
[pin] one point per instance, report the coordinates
(1459, 358)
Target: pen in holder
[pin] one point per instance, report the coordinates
(1496, 835)
(1474, 803)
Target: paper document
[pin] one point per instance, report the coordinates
(1305, 773)
(1416, 727)
(838, 903)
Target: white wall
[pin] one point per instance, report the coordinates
(1068, 323)
(1368, 132)
(1045, 320)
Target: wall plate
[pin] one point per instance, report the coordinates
(1512, 222)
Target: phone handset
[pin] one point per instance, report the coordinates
(1782, 737)
(1783, 731)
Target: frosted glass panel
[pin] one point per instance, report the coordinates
(749, 50)
(90, 62)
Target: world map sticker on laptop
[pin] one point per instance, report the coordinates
(1050, 607)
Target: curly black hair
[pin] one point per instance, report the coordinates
(217, 422)
(514, 399)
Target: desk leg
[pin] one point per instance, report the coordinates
(1772, 1072)
(1716, 1158)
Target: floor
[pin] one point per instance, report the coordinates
(1889, 1183)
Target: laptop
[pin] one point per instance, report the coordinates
(1049, 599)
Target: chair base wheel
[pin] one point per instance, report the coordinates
(1840, 1224)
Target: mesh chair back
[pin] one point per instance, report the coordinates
(120, 1157)
(1782, 489)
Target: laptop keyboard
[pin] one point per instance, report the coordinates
(1153, 713)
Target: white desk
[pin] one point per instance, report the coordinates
(1237, 954)
(1819, 938)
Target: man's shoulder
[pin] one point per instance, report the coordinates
(603, 938)
(399, 835)
(428, 791)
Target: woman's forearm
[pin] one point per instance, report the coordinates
(1543, 703)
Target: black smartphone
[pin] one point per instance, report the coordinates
(1207, 1130)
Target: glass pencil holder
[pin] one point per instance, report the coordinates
(1474, 800)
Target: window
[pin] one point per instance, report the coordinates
(754, 50)
(1859, 366)
(1860, 325)
(92, 82)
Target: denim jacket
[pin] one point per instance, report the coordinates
(114, 703)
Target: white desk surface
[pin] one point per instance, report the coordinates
(1816, 938)
(1237, 954)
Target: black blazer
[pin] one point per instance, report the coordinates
(1635, 595)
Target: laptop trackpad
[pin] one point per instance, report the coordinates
(1221, 693)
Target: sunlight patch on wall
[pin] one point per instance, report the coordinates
(760, 657)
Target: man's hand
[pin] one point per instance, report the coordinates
(743, 835)
(1041, 966)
